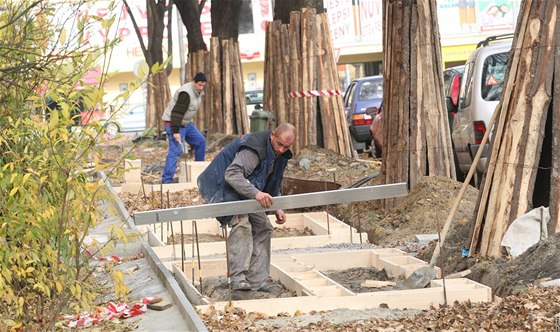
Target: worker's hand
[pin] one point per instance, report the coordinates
(177, 137)
(280, 217)
(264, 199)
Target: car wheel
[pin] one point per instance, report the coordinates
(111, 130)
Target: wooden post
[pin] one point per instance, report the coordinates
(509, 183)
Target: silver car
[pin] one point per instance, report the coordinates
(130, 120)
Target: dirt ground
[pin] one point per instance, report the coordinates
(354, 278)
(423, 211)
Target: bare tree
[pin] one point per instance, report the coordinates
(158, 83)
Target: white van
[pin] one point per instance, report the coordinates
(481, 88)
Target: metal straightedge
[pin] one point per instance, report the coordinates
(279, 203)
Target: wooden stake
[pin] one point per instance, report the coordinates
(192, 247)
(182, 249)
(198, 256)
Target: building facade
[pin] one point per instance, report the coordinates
(356, 31)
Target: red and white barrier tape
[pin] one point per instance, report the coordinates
(111, 311)
(315, 93)
(116, 259)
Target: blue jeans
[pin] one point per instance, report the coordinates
(193, 137)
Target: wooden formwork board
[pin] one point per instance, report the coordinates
(334, 260)
(302, 274)
(403, 266)
(396, 299)
(305, 280)
(316, 222)
(136, 188)
(193, 294)
(339, 233)
(219, 248)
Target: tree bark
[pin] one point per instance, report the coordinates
(190, 15)
(225, 19)
(416, 136)
(554, 203)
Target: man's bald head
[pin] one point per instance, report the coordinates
(283, 137)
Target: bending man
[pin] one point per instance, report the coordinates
(251, 167)
(178, 118)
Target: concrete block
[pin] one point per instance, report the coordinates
(132, 171)
(425, 238)
(194, 169)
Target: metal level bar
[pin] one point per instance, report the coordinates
(279, 203)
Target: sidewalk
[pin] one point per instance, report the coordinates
(148, 277)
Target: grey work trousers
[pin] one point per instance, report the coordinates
(249, 248)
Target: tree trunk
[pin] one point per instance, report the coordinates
(416, 136)
(517, 173)
(190, 15)
(299, 62)
(158, 95)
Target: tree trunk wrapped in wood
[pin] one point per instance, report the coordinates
(226, 94)
(519, 170)
(416, 136)
(224, 105)
(199, 62)
(299, 58)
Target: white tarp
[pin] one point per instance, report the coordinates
(526, 230)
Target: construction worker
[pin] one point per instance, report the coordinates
(251, 167)
(178, 118)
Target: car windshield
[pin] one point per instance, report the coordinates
(254, 97)
(493, 75)
(371, 90)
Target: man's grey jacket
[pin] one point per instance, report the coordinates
(212, 185)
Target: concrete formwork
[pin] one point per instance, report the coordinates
(326, 229)
(300, 272)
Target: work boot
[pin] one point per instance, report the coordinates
(241, 285)
(266, 288)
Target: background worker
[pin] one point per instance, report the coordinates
(178, 118)
(251, 167)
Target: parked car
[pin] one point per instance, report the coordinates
(253, 98)
(481, 87)
(451, 87)
(362, 93)
(130, 120)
